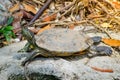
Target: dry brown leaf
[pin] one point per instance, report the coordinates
(43, 29)
(116, 4)
(17, 19)
(111, 42)
(27, 15)
(5, 42)
(85, 2)
(34, 30)
(106, 25)
(29, 8)
(49, 18)
(71, 26)
(15, 7)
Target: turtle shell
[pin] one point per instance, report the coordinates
(63, 40)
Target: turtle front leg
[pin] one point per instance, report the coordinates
(100, 50)
(26, 48)
(29, 57)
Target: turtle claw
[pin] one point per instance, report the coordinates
(22, 50)
(104, 50)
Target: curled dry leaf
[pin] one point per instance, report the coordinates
(102, 70)
(111, 42)
(15, 7)
(43, 29)
(29, 8)
(49, 17)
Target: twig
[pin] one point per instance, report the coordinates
(95, 25)
(102, 6)
(61, 10)
(39, 2)
(66, 12)
(102, 70)
(61, 22)
(41, 10)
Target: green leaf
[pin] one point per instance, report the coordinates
(8, 35)
(8, 28)
(10, 20)
(13, 34)
(1, 31)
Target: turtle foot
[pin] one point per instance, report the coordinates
(104, 50)
(22, 50)
(99, 51)
(29, 58)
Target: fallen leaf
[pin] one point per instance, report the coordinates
(71, 26)
(43, 29)
(111, 42)
(106, 25)
(29, 8)
(34, 30)
(17, 19)
(14, 7)
(85, 2)
(116, 4)
(27, 15)
(49, 18)
(102, 70)
(5, 42)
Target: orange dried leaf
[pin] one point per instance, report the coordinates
(30, 8)
(102, 70)
(111, 42)
(43, 29)
(15, 8)
(5, 42)
(71, 26)
(49, 18)
(116, 4)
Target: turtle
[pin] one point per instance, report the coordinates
(61, 42)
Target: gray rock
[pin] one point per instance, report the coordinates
(71, 68)
(4, 5)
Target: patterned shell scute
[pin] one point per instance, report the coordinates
(63, 40)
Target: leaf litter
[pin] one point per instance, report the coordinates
(103, 14)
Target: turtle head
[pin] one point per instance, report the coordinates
(28, 35)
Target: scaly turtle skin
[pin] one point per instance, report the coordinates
(61, 42)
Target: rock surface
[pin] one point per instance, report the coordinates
(4, 5)
(72, 68)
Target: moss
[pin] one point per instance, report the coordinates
(16, 77)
